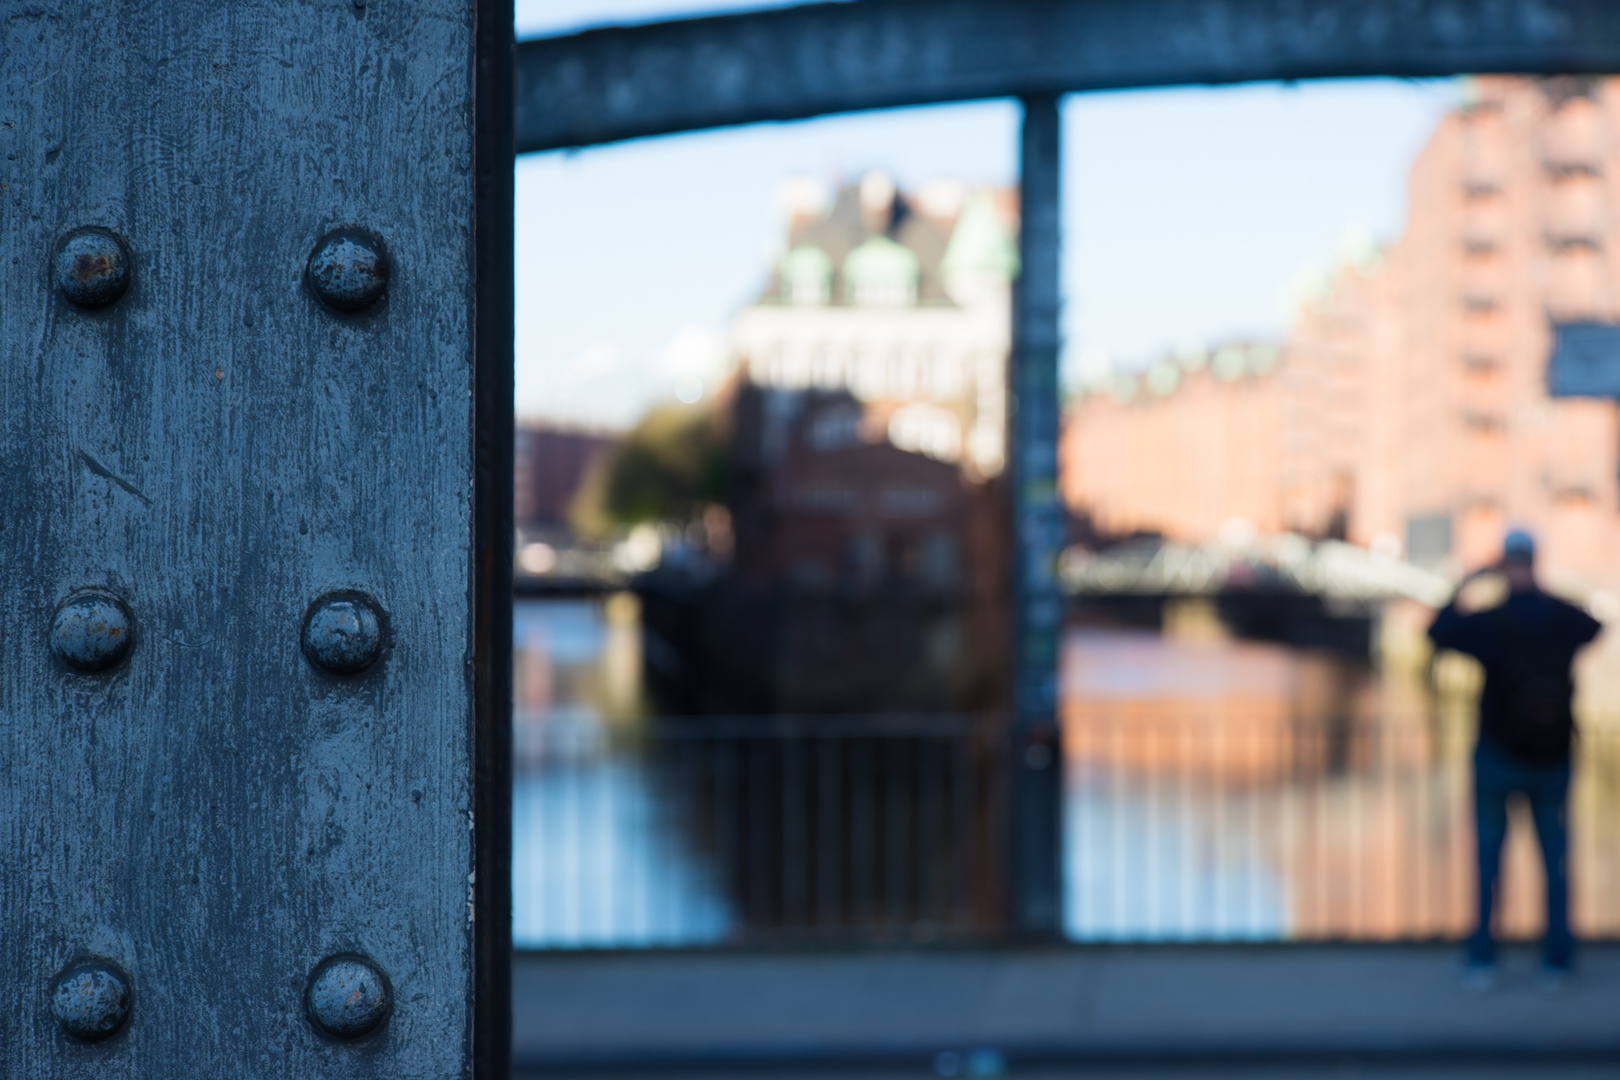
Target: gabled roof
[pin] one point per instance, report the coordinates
(846, 225)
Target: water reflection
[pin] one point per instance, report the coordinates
(598, 857)
(1216, 790)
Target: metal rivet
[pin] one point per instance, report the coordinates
(91, 267)
(348, 996)
(91, 999)
(348, 270)
(92, 632)
(343, 634)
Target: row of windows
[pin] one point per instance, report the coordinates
(898, 372)
(1565, 241)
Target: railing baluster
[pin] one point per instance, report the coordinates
(795, 853)
(964, 846)
(897, 837)
(825, 869)
(863, 843)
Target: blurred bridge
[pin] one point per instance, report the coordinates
(1329, 569)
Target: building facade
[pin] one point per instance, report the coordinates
(904, 302)
(549, 461)
(867, 427)
(1408, 409)
(1184, 449)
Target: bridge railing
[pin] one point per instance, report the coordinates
(1181, 824)
(735, 831)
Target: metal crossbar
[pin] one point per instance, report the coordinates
(809, 60)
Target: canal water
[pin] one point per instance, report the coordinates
(1215, 790)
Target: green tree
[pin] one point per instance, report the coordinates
(670, 466)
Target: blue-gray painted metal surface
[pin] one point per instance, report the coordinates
(791, 63)
(196, 444)
(1585, 360)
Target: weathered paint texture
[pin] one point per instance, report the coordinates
(787, 64)
(216, 449)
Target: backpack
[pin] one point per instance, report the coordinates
(1533, 691)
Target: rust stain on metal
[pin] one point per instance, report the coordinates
(92, 267)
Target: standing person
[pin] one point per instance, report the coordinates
(1527, 645)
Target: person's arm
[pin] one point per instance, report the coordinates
(1582, 627)
(1452, 629)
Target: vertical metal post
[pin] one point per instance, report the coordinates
(255, 482)
(1037, 532)
(494, 109)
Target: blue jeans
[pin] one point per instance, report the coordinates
(1497, 776)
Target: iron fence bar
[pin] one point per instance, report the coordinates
(964, 830)
(863, 845)
(894, 836)
(933, 859)
(795, 836)
(829, 832)
(758, 906)
(729, 824)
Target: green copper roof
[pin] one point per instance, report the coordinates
(980, 243)
(806, 274)
(881, 271)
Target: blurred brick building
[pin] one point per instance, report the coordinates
(549, 460)
(1183, 449)
(1408, 406)
(868, 425)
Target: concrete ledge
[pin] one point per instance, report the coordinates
(1165, 1005)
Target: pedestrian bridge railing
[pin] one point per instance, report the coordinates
(736, 831)
(1180, 824)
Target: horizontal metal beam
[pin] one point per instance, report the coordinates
(618, 83)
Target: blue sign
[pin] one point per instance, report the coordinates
(1585, 360)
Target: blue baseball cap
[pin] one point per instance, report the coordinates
(1518, 546)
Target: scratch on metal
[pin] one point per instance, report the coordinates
(99, 469)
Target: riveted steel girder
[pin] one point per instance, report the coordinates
(617, 83)
(255, 506)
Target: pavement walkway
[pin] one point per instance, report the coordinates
(983, 1012)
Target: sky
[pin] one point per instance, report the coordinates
(1190, 216)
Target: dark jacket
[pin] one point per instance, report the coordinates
(1557, 628)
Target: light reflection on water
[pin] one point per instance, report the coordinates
(598, 859)
(596, 862)
(1186, 761)
(1215, 790)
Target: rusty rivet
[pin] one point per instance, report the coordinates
(92, 632)
(91, 999)
(91, 267)
(343, 633)
(348, 996)
(348, 270)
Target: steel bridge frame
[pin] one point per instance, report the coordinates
(191, 127)
(610, 84)
(617, 83)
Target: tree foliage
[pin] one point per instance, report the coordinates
(668, 468)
